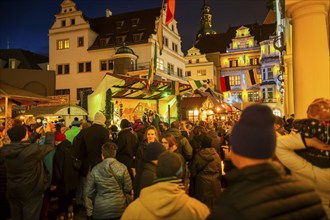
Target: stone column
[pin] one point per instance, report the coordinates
(311, 74)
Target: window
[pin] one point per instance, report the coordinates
(63, 69)
(170, 68)
(235, 80)
(179, 71)
(188, 73)
(82, 91)
(263, 74)
(63, 23)
(137, 37)
(13, 63)
(84, 67)
(165, 40)
(174, 47)
(63, 44)
(270, 93)
(247, 44)
(106, 65)
(254, 61)
(135, 21)
(80, 41)
(236, 96)
(253, 96)
(197, 60)
(62, 92)
(103, 42)
(160, 64)
(172, 27)
(270, 73)
(120, 39)
(73, 21)
(201, 72)
(119, 24)
(233, 63)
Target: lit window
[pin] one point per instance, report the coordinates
(63, 44)
(201, 72)
(235, 80)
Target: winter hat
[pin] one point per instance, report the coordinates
(60, 137)
(153, 150)
(319, 109)
(253, 136)
(16, 133)
(99, 118)
(124, 123)
(169, 165)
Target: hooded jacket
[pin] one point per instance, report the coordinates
(184, 146)
(165, 200)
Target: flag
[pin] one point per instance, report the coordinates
(170, 9)
(195, 84)
(152, 69)
(175, 88)
(224, 84)
(251, 77)
(160, 33)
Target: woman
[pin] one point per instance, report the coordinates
(105, 197)
(150, 136)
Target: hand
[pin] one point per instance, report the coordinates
(316, 143)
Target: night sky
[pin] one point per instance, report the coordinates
(24, 24)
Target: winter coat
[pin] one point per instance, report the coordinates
(104, 197)
(148, 175)
(71, 133)
(165, 200)
(205, 176)
(263, 192)
(318, 178)
(26, 174)
(183, 144)
(93, 139)
(65, 176)
(127, 146)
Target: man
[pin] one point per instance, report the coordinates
(73, 131)
(26, 175)
(166, 199)
(184, 146)
(257, 187)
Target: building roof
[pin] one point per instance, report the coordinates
(220, 42)
(193, 102)
(126, 24)
(27, 59)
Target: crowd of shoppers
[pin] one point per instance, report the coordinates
(172, 171)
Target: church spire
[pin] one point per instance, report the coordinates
(206, 22)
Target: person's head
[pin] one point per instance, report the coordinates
(169, 142)
(278, 123)
(75, 122)
(109, 150)
(163, 126)
(206, 141)
(169, 165)
(175, 124)
(153, 150)
(319, 109)
(17, 133)
(151, 134)
(198, 130)
(124, 123)
(99, 118)
(113, 128)
(253, 137)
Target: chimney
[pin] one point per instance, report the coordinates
(108, 13)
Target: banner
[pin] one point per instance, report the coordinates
(224, 84)
(251, 77)
(170, 9)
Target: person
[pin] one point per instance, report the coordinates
(65, 177)
(105, 198)
(148, 175)
(257, 187)
(127, 144)
(184, 146)
(73, 131)
(166, 199)
(307, 153)
(279, 126)
(205, 172)
(4, 204)
(26, 175)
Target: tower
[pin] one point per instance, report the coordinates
(206, 22)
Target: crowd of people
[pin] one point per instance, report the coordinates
(259, 167)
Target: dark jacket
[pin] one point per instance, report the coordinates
(127, 146)
(65, 176)
(205, 176)
(263, 192)
(26, 175)
(184, 146)
(93, 139)
(148, 175)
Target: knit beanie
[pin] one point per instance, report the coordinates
(16, 133)
(153, 150)
(253, 136)
(169, 165)
(124, 123)
(99, 118)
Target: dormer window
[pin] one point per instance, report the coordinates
(13, 64)
(119, 24)
(120, 39)
(137, 37)
(104, 41)
(135, 21)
